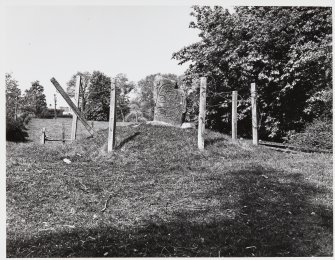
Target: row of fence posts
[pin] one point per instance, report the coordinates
(202, 114)
(112, 114)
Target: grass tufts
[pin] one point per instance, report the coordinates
(157, 195)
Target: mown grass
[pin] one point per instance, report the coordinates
(54, 128)
(166, 198)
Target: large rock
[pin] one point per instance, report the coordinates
(170, 103)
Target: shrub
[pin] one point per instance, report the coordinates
(317, 135)
(132, 118)
(25, 118)
(15, 130)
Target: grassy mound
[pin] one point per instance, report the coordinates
(157, 144)
(158, 195)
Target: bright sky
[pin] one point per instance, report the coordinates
(49, 38)
(42, 42)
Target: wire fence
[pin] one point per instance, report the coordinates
(227, 96)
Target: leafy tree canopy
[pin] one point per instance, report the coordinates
(285, 50)
(124, 86)
(13, 95)
(34, 99)
(83, 90)
(98, 96)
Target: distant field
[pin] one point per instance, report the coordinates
(54, 128)
(157, 195)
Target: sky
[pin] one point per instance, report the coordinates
(42, 42)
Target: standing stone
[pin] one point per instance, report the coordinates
(170, 103)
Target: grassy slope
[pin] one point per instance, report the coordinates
(167, 198)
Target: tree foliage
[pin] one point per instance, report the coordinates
(15, 129)
(286, 51)
(83, 90)
(123, 88)
(98, 96)
(317, 134)
(34, 100)
(13, 96)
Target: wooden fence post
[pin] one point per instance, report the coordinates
(55, 109)
(43, 136)
(73, 106)
(63, 133)
(254, 114)
(202, 114)
(234, 116)
(112, 117)
(75, 117)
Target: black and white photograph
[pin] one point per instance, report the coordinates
(167, 129)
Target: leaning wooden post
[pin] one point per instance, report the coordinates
(75, 117)
(73, 106)
(202, 114)
(254, 114)
(112, 117)
(234, 116)
(43, 136)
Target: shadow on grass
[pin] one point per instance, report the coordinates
(273, 215)
(126, 140)
(214, 140)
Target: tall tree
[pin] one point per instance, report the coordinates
(98, 98)
(15, 130)
(13, 96)
(285, 50)
(124, 86)
(83, 91)
(34, 99)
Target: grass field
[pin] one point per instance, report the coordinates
(54, 128)
(157, 195)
